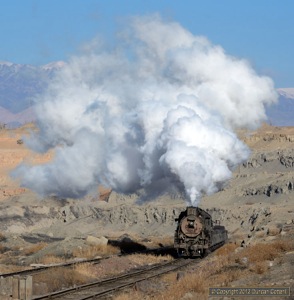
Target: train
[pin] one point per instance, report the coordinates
(197, 234)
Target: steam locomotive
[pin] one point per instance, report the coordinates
(196, 234)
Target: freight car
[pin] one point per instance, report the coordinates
(196, 234)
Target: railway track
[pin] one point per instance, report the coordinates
(46, 268)
(101, 288)
(37, 270)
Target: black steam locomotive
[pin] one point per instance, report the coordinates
(196, 235)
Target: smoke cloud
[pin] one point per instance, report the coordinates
(156, 111)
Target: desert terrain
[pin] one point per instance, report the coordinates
(257, 206)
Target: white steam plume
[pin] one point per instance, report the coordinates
(159, 109)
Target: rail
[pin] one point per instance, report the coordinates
(102, 287)
(73, 263)
(45, 268)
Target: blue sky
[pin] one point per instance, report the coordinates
(41, 31)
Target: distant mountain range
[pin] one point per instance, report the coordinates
(20, 85)
(282, 113)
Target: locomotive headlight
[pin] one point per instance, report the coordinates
(191, 224)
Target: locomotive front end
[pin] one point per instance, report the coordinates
(191, 236)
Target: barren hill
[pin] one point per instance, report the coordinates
(256, 205)
(264, 183)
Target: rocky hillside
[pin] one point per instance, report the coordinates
(257, 203)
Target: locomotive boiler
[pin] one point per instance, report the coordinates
(196, 233)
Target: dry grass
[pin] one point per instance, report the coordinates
(59, 278)
(143, 259)
(214, 271)
(85, 269)
(194, 283)
(50, 259)
(2, 249)
(221, 269)
(259, 267)
(127, 296)
(170, 277)
(226, 276)
(10, 268)
(2, 237)
(226, 250)
(16, 248)
(94, 250)
(261, 252)
(35, 248)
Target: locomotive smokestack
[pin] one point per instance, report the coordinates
(157, 111)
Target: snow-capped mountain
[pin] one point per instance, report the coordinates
(286, 92)
(20, 84)
(282, 113)
(53, 66)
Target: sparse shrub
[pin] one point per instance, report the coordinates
(94, 250)
(227, 249)
(170, 277)
(2, 249)
(16, 248)
(226, 276)
(264, 251)
(7, 268)
(259, 267)
(2, 237)
(57, 279)
(85, 269)
(50, 259)
(195, 283)
(283, 245)
(142, 259)
(221, 269)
